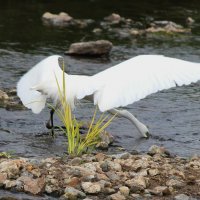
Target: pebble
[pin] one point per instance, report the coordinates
(91, 188)
(175, 183)
(181, 197)
(117, 196)
(72, 193)
(124, 190)
(3, 96)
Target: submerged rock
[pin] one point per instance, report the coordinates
(91, 48)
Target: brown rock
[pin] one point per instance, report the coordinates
(34, 186)
(91, 48)
(100, 157)
(72, 182)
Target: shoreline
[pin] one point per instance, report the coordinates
(154, 175)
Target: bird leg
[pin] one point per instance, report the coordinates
(140, 126)
(49, 123)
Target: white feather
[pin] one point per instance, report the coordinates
(140, 76)
(117, 86)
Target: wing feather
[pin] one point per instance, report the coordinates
(32, 87)
(139, 77)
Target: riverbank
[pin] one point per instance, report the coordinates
(155, 175)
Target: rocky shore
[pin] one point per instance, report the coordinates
(155, 175)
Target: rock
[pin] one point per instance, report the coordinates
(124, 190)
(117, 196)
(114, 166)
(113, 176)
(154, 149)
(72, 193)
(72, 182)
(175, 183)
(181, 197)
(124, 155)
(190, 21)
(3, 178)
(136, 196)
(34, 186)
(91, 48)
(91, 188)
(97, 31)
(137, 183)
(167, 27)
(11, 167)
(153, 172)
(105, 166)
(100, 157)
(76, 161)
(113, 18)
(61, 20)
(3, 96)
(160, 191)
(10, 184)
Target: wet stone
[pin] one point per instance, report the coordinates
(62, 19)
(91, 48)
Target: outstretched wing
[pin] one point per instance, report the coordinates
(39, 77)
(140, 76)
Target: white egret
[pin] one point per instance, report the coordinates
(115, 87)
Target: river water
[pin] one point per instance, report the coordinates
(173, 116)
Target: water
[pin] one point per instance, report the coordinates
(172, 116)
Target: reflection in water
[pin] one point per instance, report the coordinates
(172, 116)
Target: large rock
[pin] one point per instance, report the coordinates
(91, 48)
(11, 167)
(34, 186)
